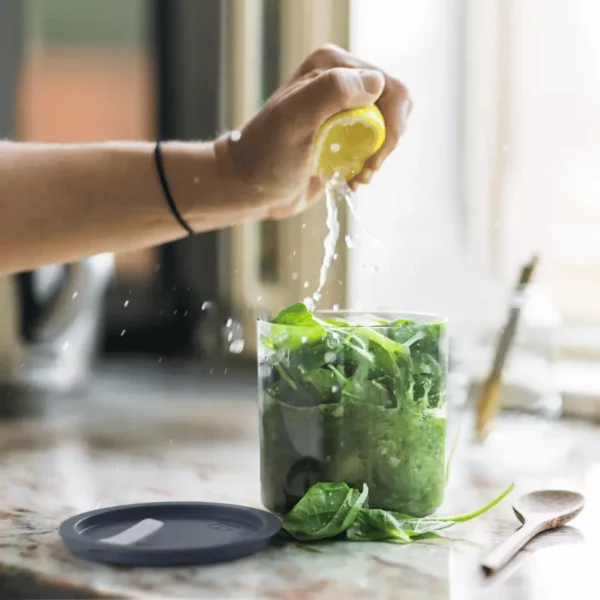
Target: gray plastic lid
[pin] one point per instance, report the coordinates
(169, 533)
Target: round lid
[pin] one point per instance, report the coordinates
(169, 533)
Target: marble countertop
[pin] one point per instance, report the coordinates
(141, 441)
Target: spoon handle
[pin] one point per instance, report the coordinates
(498, 557)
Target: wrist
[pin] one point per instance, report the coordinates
(205, 184)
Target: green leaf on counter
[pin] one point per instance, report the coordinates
(330, 509)
(325, 511)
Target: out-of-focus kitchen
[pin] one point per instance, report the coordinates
(129, 379)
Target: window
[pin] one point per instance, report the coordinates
(88, 76)
(500, 161)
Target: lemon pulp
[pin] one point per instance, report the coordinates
(345, 141)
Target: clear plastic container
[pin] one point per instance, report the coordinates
(354, 398)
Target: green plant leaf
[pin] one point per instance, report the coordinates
(476, 513)
(372, 525)
(325, 511)
(387, 526)
(297, 315)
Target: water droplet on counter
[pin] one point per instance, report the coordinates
(160, 359)
(235, 136)
(259, 299)
(185, 314)
(225, 372)
(303, 225)
(123, 332)
(75, 294)
(229, 323)
(306, 284)
(126, 303)
(237, 346)
(175, 312)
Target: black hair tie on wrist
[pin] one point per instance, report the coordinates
(164, 184)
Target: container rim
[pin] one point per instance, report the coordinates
(424, 317)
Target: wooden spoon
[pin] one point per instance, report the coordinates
(538, 511)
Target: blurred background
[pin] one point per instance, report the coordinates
(499, 163)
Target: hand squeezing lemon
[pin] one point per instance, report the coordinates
(345, 141)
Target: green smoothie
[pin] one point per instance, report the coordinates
(353, 401)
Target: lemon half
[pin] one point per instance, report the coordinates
(345, 141)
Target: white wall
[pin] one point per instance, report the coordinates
(416, 206)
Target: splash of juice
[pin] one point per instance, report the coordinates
(333, 233)
(336, 190)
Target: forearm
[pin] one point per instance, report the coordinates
(59, 203)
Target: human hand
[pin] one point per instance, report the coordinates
(270, 160)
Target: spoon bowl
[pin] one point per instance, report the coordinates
(553, 507)
(537, 511)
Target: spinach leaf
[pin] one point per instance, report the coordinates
(325, 511)
(294, 327)
(297, 315)
(473, 514)
(388, 526)
(330, 509)
(373, 524)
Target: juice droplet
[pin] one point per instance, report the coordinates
(237, 346)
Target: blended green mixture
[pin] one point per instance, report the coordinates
(354, 404)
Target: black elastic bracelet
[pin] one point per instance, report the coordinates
(167, 191)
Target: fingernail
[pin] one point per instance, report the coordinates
(372, 81)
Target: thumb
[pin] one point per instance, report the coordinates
(335, 90)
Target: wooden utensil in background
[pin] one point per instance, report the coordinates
(489, 399)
